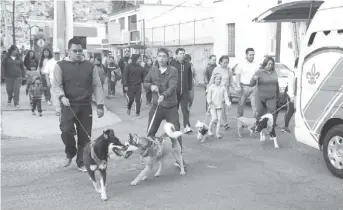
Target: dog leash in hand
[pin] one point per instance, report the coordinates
(80, 123)
(278, 109)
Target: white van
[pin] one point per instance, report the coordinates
(319, 102)
(319, 115)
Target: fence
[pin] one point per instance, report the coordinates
(184, 33)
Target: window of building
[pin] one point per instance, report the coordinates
(231, 39)
(122, 23)
(132, 23)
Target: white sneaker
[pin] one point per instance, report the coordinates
(210, 133)
(187, 129)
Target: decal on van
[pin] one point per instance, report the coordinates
(312, 75)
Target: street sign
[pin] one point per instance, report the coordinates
(40, 43)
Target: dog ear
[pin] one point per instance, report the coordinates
(105, 134)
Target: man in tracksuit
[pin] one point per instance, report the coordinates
(162, 81)
(132, 81)
(185, 83)
(74, 82)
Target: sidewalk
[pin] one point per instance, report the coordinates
(21, 123)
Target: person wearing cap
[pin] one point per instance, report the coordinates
(50, 69)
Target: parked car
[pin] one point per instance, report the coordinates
(282, 71)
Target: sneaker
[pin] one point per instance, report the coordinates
(82, 168)
(33, 113)
(40, 114)
(285, 129)
(128, 112)
(138, 116)
(188, 129)
(17, 106)
(58, 113)
(9, 103)
(67, 162)
(49, 103)
(210, 133)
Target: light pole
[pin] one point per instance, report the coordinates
(13, 22)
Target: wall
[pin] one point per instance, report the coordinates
(199, 53)
(157, 16)
(260, 36)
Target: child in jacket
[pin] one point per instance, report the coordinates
(36, 92)
(217, 97)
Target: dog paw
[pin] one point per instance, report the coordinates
(104, 197)
(157, 174)
(182, 173)
(276, 146)
(144, 178)
(134, 183)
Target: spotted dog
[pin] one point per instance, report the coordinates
(265, 127)
(95, 157)
(155, 150)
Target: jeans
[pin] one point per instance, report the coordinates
(13, 85)
(134, 93)
(246, 92)
(183, 101)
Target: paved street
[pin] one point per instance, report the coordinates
(229, 173)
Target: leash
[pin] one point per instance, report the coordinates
(153, 117)
(278, 109)
(92, 143)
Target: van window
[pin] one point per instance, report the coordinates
(310, 41)
(340, 31)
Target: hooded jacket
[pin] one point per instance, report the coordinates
(133, 73)
(36, 91)
(77, 81)
(185, 76)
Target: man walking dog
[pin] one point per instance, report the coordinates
(74, 82)
(162, 81)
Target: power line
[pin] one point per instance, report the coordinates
(176, 6)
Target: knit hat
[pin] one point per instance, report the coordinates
(217, 75)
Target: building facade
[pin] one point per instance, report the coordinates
(236, 31)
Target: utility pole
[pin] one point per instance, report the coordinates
(13, 20)
(278, 39)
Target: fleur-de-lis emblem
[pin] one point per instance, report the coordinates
(312, 75)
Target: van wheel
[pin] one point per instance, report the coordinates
(333, 150)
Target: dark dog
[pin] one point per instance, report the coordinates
(265, 127)
(95, 157)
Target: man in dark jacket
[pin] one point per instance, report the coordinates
(162, 81)
(74, 82)
(132, 81)
(123, 62)
(185, 83)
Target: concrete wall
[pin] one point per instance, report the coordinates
(199, 53)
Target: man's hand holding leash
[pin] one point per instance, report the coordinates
(65, 101)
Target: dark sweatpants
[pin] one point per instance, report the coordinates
(13, 85)
(134, 93)
(67, 121)
(170, 115)
(148, 96)
(183, 101)
(265, 105)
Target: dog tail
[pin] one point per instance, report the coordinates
(169, 129)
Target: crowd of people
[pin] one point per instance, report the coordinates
(168, 82)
